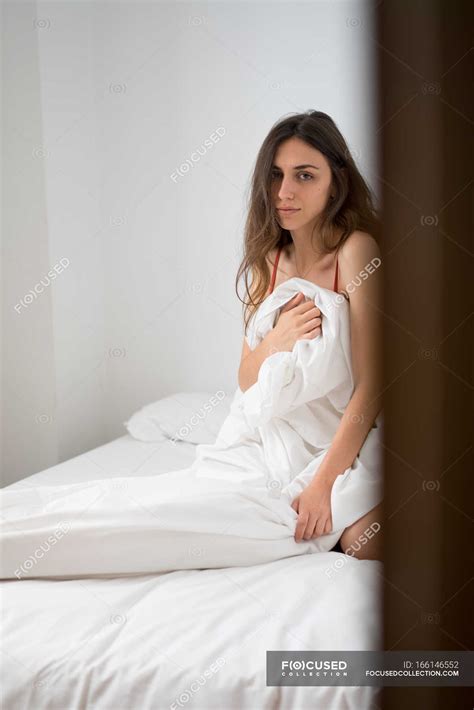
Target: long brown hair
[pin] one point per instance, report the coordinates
(353, 206)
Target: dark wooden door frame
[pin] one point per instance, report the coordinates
(424, 56)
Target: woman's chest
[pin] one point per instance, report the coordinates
(322, 274)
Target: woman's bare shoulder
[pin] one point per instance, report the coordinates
(358, 243)
(358, 253)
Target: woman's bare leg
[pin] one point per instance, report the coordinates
(364, 538)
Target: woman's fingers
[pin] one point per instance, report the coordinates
(295, 503)
(301, 526)
(310, 527)
(292, 303)
(321, 526)
(312, 333)
(308, 306)
(313, 323)
(319, 530)
(306, 524)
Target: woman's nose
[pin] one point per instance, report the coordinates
(286, 189)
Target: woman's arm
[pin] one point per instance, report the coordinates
(360, 254)
(251, 361)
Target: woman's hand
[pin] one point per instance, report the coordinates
(298, 319)
(313, 506)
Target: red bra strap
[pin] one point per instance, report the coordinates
(275, 266)
(336, 275)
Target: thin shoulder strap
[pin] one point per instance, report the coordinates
(336, 276)
(275, 267)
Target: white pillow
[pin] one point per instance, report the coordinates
(195, 417)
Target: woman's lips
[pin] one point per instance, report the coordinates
(287, 212)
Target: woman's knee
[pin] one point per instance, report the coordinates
(363, 539)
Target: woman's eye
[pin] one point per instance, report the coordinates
(278, 175)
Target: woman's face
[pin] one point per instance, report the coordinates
(301, 179)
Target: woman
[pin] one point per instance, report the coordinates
(312, 216)
(247, 499)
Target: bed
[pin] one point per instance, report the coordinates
(185, 639)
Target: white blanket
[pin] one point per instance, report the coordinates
(232, 506)
(190, 640)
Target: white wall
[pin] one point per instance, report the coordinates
(103, 103)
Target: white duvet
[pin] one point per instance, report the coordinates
(189, 640)
(231, 507)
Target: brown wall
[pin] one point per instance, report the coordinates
(425, 127)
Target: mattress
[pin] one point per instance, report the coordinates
(186, 639)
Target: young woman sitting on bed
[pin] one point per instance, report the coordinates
(328, 238)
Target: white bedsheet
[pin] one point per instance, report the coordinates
(145, 641)
(195, 638)
(232, 507)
